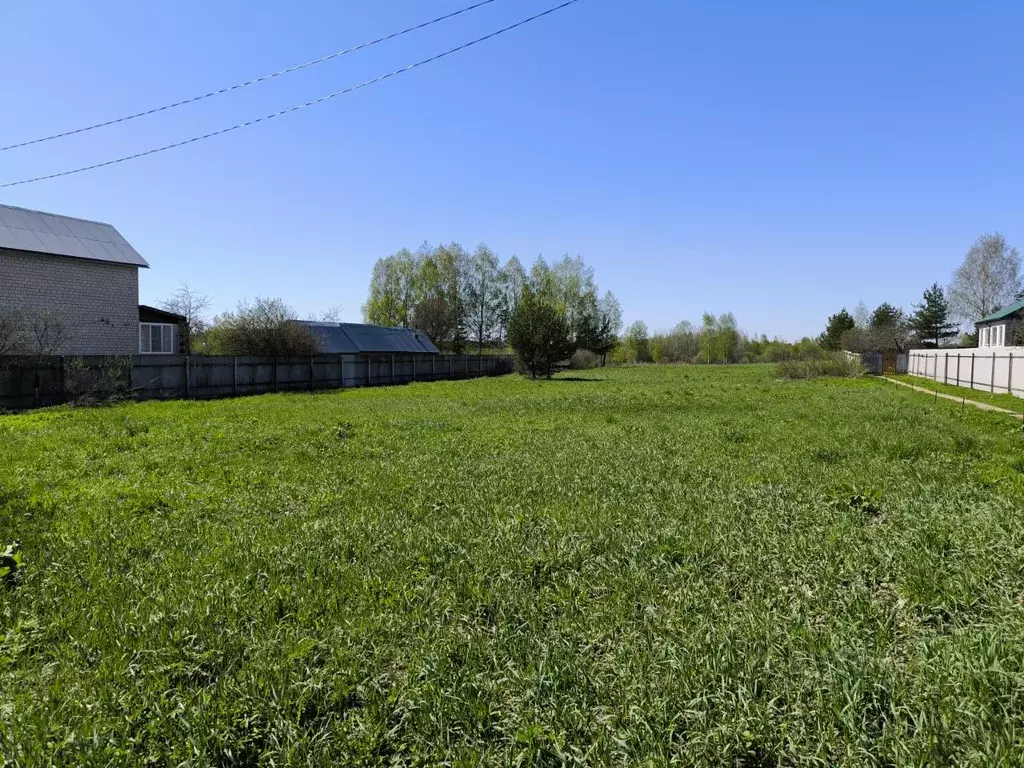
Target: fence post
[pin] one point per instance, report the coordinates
(992, 382)
(414, 367)
(392, 369)
(449, 366)
(188, 383)
(972, 370)
(341, 371)
(367, 370)
(234, 375)
(945, 371)
(310, 373)
(1009, 377)
(958, 369)
(275, 374)
(433, 374)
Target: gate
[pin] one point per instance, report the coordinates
(888, 363)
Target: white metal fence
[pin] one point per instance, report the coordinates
(999, 370)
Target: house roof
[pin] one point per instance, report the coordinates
(47, 233)
(148, 314)
(356, 338)
(999, 314)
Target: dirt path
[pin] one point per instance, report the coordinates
(955, 399)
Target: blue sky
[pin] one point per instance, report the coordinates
(779, 160)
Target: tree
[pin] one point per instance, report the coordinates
(708, 338)
(451, 275)
(888, 329)
(539, 334)
(482, 294)
(12, 329)
(931, 317)
(511, 280)
(192, 306)
(393, 289)
(989, 278)
(638, 341)
(862, 315)
(434, 318)
(731, 338)
(265, 328)
(606, 331)
(837, 325)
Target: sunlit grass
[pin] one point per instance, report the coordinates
(706, 566)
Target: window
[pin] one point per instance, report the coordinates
(1002, 335)
(983, 341)
(156, 338)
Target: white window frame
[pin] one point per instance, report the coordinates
(986, 336)
(1001, 336)
(166, 338)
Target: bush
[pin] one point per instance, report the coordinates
(583, 359)
(829, 364)
(108, 382)
(264, 328)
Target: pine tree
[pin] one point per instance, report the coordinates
(838, 324)
(931, 317)
(539, 334)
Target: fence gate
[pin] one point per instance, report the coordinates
(890, 362)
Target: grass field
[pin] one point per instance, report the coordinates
(697, 565)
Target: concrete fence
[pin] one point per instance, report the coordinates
(27, 382)
(992, 370)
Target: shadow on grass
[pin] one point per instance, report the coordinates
(575, 378)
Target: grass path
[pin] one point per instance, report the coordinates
(1002, 401)
(956, 398)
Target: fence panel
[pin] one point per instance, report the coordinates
(996, 370)
(27, 382)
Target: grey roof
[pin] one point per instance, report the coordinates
(356, 338)
(38, 232)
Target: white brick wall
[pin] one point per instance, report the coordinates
(98, 301)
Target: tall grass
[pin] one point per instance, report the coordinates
(688, 565)
(834, 364)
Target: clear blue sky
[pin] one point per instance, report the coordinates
(779, 160)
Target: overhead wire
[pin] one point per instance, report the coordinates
(254, 81)
(297, 107)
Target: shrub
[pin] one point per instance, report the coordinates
(829, 364)
(264, 328)
(583, 359)
(539, 334)
(108, 382)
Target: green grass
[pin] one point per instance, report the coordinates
(1010, 402)
(690, 565)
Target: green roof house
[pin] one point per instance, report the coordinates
(1003, 328)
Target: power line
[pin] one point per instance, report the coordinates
(254, 81)
(297, 107)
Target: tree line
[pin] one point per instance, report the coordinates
(716, 340)
(988, 279)
(458, 298)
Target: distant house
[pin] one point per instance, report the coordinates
(1002, 328)
(358, 338)
(82, 273)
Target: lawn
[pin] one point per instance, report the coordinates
(689, 565)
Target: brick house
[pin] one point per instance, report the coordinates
(85, 274)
